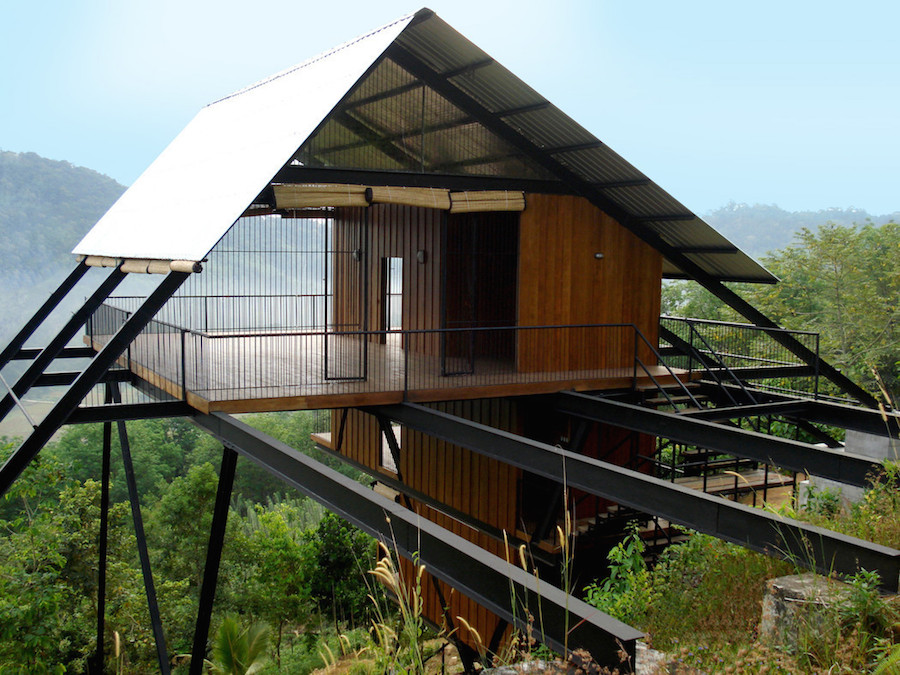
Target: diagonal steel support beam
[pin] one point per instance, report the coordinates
(394, 446)
(794, 455)
(452, 559)
(89, 377)
(97, 659)
(58, 343)
(213, 557)
(162, 654)
(509, 133)
(809, 546)
(10, 351)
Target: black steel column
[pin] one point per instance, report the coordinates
(97, 661)
(89, 377)
(162, 654)
(58, 343)
(213, 556)
(49, 305)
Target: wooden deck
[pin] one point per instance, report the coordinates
(258, 373)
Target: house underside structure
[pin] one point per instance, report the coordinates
(402, 232)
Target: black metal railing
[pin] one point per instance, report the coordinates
(233, 365)
(733, 353)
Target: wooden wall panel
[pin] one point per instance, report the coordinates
(482, 487)
(561, 282)
(393, 231)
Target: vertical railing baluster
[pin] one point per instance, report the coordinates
(183, 366)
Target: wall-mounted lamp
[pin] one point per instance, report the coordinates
(598, 256)
(422, 256)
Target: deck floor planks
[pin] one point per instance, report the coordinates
(259, 373)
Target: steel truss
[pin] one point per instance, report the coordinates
(463, 565)
(810, 546)
(794, 455)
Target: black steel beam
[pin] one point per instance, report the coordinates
(807, 545)
(384, 138)
(841, 415)
(377, 139)
(794, 455)
(89, 377)
(734, 412)
(58, 343)
(42, 313)
(885, 424)
(463, 517)
(787, 340)
(464, 654)
(485, 578)
(64, 378)
(411, 86)
(130, 411)
(745, 373)
(98, 659)
(213, 557)
(32, 353)
(576, 147)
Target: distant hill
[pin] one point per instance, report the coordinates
(46, 207)
(761, 228)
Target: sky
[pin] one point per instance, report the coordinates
(785, 102)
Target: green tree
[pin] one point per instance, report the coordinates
(48, 558)
(239, 651)
(844, 283)
(340, 556)
(270, 577)
(161, 450)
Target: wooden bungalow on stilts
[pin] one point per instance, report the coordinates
(404, 233)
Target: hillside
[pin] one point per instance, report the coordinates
(46, 206)
(761, 228)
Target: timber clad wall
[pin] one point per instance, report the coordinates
(393, 232)
(561, 282)
(483, 487)
(539, 271)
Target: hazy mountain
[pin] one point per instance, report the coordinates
(761, 228)
(46, 207)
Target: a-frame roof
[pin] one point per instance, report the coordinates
(413, 99)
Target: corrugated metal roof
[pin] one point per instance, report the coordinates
(195, 190)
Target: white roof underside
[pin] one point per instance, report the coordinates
(204, 180)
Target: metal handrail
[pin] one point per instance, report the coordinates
(665, 365)
(737, 324)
